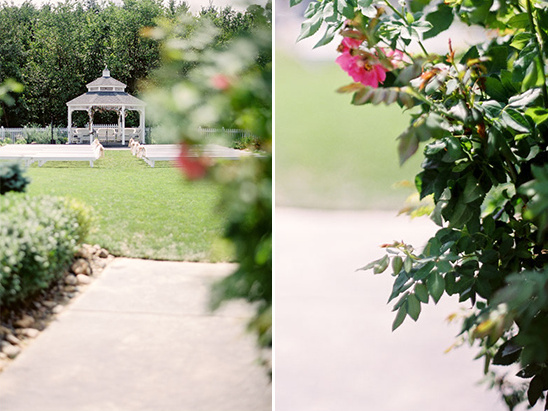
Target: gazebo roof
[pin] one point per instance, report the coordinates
(105, 98)
(106, 92)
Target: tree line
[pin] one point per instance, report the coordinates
(55, 50)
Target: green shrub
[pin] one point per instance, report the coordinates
(84, 216)
(38, 238)
(38, 135)
(12, 178)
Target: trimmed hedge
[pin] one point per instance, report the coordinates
(38, 239)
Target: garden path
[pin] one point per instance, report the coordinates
(140, 338)
(333, 346)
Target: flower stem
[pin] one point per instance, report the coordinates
(540, 49)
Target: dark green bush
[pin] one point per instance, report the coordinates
(12, 178)
(38, 238)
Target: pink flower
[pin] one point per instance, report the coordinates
(350, 43)
(220, 82)
(365, 67)
(193, 167)
(362, 69)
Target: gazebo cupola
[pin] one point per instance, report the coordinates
(107, 93)
(106, 83)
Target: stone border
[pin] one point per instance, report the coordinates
(19, 328)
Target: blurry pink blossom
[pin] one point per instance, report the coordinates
(193, 167)
(220, 82)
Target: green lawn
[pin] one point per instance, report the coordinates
(330, 154)
(141, 211)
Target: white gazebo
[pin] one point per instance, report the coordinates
(107, 93)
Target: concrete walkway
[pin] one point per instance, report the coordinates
(141, 339)
(334, 345)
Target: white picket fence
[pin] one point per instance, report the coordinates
(44, 135)
(213, 131)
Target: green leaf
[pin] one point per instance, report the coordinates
(507, 354)
(524, 99)
(441, 20)
(372, 264)
(397, 264)
(421, 292)
(294, 2)
(519, 21)
(400, 316)
(533, 75)
(413, 307)
(346, 8)
(367, 8)
(495, 89)
(408, 264)
(538, 114)
(328, 35)
(520, 40)
(408, 145)
(436, 286)
(400, 285)
(536, 387)
(382, 265)
(472, 190)
(424, 271)
(459, 215)
(492, 108)
(310, 27)
(516, 121)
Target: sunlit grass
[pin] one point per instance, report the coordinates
(329, 153)
(141, 211)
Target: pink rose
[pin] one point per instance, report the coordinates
(364, 67)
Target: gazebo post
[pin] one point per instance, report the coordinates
(123, 125)
(120, 123)
(69, 128)
(90, 113)
(142, 124)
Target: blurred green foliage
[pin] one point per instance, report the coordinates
(12, 177)
(206, 83)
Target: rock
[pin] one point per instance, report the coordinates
(4, 330)
(71, 279)
(49, 304)
(25, 322)
(71, 288)
(30, 332)
(58, 308)
(103, 253)
(11, 351)
(81, 266)
(3, 356)
(12, 339)
(83, 279)
(85, 252)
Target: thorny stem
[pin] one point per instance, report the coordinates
(402, 16)
(540, 49)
